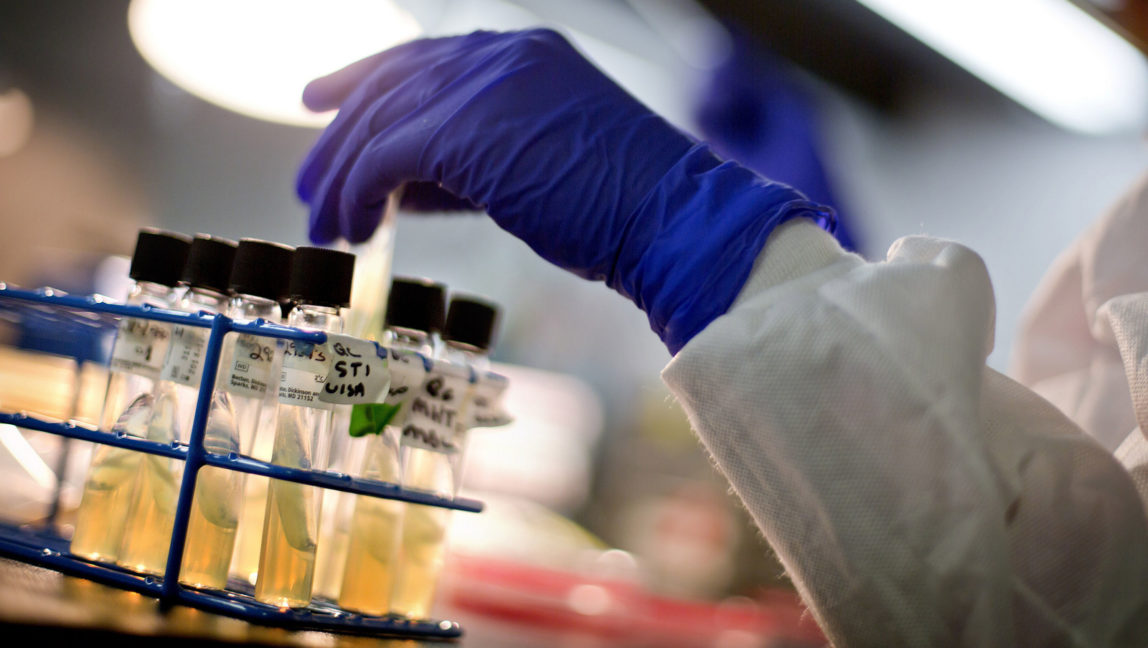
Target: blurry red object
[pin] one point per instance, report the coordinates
(622, 610)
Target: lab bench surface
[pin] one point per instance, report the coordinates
(53, 609)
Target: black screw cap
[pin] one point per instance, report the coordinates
(417, 304)
(159, 256)
(261, 268)
(471, 321)
(321, 277)
(209, 263)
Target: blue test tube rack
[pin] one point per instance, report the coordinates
(43, 545)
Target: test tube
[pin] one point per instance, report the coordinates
(321, 286)
(258, 280)
(249, 537)
(438, 468)
(137, 357)
(151, 514)
(414, 313)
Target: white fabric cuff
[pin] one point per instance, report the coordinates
(796, 248)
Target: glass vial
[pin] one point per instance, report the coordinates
(258, 280)
(249, 539)
(373, 260)
(414, 313)
(321, 286)
(466, 338)
(137, 356)
(147, 529)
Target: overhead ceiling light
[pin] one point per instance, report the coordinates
(1048, 55)
(255, 56)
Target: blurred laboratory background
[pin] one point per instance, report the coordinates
(186, 115)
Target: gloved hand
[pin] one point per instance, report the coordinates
(520, 125)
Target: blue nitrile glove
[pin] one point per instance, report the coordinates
(520, 125)
(753, 109)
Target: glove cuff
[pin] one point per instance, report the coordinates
(692, 242)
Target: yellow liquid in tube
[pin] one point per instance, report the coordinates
(372, 545)
(147, 538)
(291, 518)
(147, 533)
(151, 516)
(333, 537)
(421, 560)
(108, 489)
(215, 506)
(287, 561)
(346, 456)
(371, 553)
(210, 530)
(107, 493)
(249, 536)
(423, 539)
(112, 472)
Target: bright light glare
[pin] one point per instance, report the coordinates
(255, 56)
(1048, 55)
(25, 455)
(16, 121)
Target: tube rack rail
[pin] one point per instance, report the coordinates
(44, 546)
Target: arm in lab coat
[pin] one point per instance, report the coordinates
(915, 496)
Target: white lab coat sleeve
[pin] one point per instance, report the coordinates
(915, 496)
(1065, 349)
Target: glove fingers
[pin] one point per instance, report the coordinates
(328, 176)
(324, 221)
(324, 198)
(330, 91)
(390, 159)
(383, 73)
(430, 197)
(406, 64)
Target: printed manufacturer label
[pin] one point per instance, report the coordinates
(140, 347)
(250, 370)
(305, 368)
(184, 361)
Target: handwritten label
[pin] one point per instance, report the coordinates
(358, 371)
(140, 347)
(184, 361)
(407, 372)
(305, 368)
(433, 416)
(250, 370)
(486, 407)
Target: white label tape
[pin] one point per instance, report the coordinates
(486, 407)
(358, 372)
(433, 415)
(407, 372)
(140, 347)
